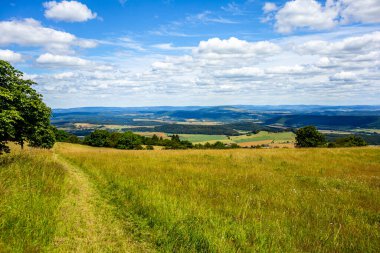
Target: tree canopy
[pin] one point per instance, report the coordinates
(24, 117)
(309, 137)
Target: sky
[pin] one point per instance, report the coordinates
(199, 52)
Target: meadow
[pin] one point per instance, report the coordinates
(244, 200)
(244, 140)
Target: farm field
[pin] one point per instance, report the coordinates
(78, 198)
(202, 138)
(263, 135)
(285, 139)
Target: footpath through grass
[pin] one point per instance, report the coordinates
(279, 200)
(48, 205)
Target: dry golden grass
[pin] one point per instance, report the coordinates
(83, 199)
(277, 200)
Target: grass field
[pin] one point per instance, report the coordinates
(201, 138)
(263, 135)
(277, 200)
(243, 140)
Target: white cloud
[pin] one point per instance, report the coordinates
(241, 72)
(30, 32)
(55, 61)
(365, 11)
(64, 75)
(61, 60)
(69, 11)
(233, 8)
(10, 56)
(269, 7)
(208, 17)
(231, 70)
(296, 69)
(347, 47)
(162, 65)
(343, 76)
(311, 14)
(234, 47)
(170, 47)
(305, 14)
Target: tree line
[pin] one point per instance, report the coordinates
(310, 137)
(132, 141)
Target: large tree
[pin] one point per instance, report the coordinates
(24, 117)
(308, 137)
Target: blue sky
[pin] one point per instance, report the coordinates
(172, 52)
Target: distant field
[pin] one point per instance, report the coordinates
(150, 134)
(263, 135)
(243, 140)
(367, 130)
(195, 138)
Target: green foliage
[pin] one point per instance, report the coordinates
(98, 138)
(43, 138)
(24, 116)
(196, 129)
(63, 136)
(309, 137)
(129, 140)
(216, 145)
(349, 141)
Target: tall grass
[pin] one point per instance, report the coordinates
(321, 200)
(30, 192)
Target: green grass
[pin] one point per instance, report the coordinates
(30, 193)
(202, 138)
(279, 200)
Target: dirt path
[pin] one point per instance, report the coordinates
(85, 222)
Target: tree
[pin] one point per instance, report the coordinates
(349, 141)
(129, 140)
(309, 137)
(98, 138)
(23, 114)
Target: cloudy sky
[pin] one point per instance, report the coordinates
(199, 52)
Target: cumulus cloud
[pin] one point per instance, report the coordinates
(255, 72)
(343, 76)
(30, 32)
(305, 14)
(233, 47)
(61, 61)
(170, 47)
(312, 15)
(269, 7)
(241, 72)
(69, 11)
(364, 11)
(10, 56)
(356, 45)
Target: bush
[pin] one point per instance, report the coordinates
(349, 141)
(309, 137)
